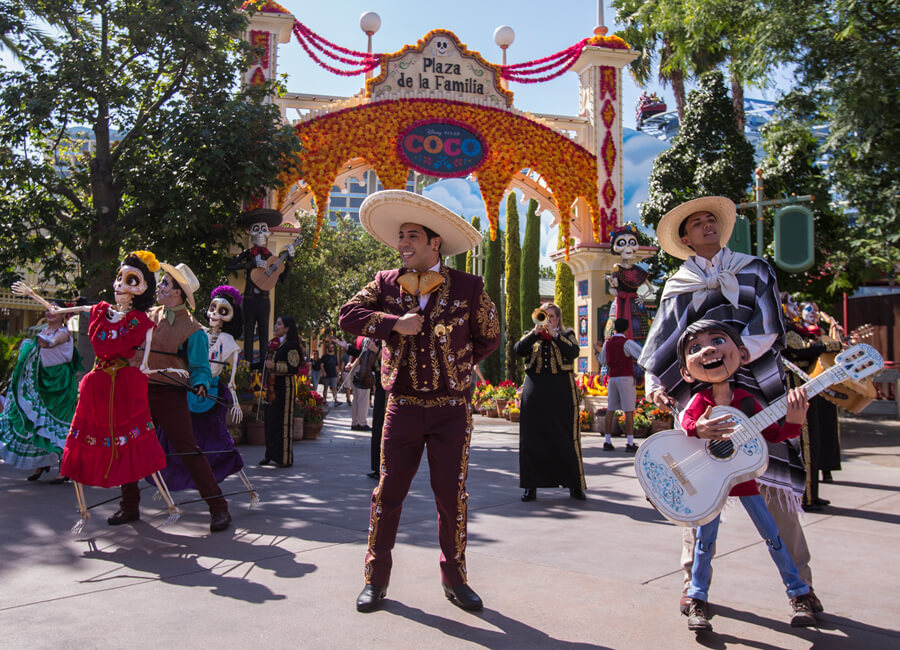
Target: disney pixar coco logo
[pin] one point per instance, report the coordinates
(444, 148)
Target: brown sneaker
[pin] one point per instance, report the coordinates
(698, 619)
(803, 612)
(814, 602)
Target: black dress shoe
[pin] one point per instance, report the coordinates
(827, 477)
(530, 494)
(463, 597)
(264, 462)
(577, 493)
(38, 473)
(370, 597)
(123, 517)
(365, 427)
(822, 502)
(219, 521)
(374, 474)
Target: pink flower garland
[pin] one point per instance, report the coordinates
(304, 34)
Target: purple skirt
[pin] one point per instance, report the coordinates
(211, 434)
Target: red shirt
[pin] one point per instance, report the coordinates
(773, 433)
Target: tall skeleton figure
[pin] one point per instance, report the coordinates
(257, 305)
(112, 440)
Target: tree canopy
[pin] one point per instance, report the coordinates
(125, 128)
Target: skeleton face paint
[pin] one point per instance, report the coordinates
(259, 233)
(791, 308)
(626, 246)
(220, 312)
(129, 283)
(810, 313)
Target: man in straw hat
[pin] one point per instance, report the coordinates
(178, 342)
(740, 290)
(437, 323)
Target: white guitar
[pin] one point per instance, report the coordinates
(688, 479)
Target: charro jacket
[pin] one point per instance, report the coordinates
(460, 329)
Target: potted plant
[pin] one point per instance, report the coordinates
(585, 419)
(513, 413)
(489, 408)
(313, 415)
(504, 393)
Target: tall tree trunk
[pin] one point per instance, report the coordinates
(677, 81)
(737, 101)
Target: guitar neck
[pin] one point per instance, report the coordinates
(282, 256)
(775, 411)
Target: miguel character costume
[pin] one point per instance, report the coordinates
(428, 378)
(741, 291)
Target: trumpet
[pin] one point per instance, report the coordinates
(540, 316)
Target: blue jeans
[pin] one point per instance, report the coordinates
(706, 538)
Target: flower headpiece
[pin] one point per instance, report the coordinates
(230, 291)
(618, 232)
(149, 260)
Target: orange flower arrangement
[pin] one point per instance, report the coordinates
(370, 131)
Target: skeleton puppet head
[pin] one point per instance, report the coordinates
(224, 312)
(790, 306)
(809, 312)
(135, 284)
(259, 234)
(625, 243)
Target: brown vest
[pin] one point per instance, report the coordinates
(169, 338)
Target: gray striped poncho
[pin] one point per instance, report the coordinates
(743, 294)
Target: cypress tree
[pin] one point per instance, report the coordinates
(513, 263)
(459, 261)
(530, 274)
(470, 255)
(493, 262)
(564, 291)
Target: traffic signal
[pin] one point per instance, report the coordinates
(794, 239)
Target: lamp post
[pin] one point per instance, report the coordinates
(369, 22)
(504, 37)
(600, 29)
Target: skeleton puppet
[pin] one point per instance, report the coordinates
(626, 282)
(256, 304)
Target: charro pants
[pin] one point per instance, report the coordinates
(444, 431)
(379, 405)
(169, 409)
(280, 421)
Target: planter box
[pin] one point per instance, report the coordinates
(256, 433)
(311, 430)
(593, 403)
(514, 417)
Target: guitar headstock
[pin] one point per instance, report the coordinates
(859, 361)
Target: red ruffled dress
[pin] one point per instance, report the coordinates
(112, 440)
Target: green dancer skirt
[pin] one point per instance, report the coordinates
(39, 410)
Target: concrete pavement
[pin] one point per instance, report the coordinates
(554, 573)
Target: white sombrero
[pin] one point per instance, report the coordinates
(382, 214)
(185, 279)
(667, 230)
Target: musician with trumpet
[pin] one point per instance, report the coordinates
(549, 432)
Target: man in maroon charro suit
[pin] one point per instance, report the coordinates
(435, 328)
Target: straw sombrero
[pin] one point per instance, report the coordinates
(185, 279)
(667, 230)
(382, 214)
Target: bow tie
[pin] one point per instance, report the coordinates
(169, 314)
(420, 283)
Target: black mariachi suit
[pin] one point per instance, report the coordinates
(280, 413)
(549, 432)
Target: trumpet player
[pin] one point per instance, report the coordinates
(549, 434)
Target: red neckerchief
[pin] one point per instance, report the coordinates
(813, 331)
(260, 250)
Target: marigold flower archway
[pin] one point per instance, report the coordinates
(372, 132)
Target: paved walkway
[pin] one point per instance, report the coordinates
(555, 573)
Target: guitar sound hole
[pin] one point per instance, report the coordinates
(721, 449)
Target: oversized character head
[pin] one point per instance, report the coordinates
(135, 284)
(624, 243)
(224, 312)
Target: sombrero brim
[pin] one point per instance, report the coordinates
(271, 217)
(382, 214)
(182, 281)
(667, 230)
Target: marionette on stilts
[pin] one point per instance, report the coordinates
(628, 283)
(209, 412)
(112, 439)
